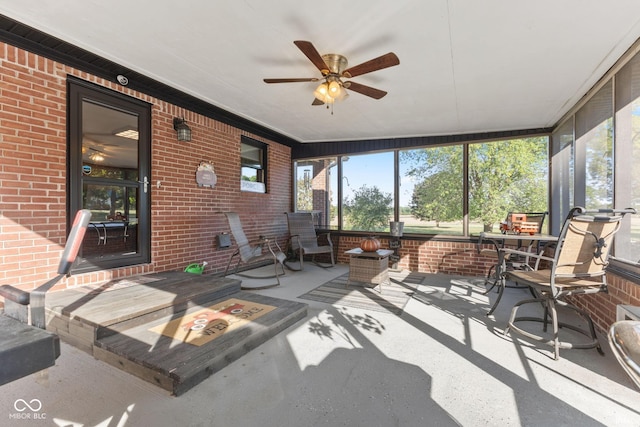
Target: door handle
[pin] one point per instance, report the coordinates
(145, 184)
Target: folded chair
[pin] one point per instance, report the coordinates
(577, 267)
(304, 241)
(256, 252)
(25, 347)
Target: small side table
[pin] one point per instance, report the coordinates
(369, 267)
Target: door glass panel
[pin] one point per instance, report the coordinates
(110, 181)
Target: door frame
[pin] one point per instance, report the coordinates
(79, 90)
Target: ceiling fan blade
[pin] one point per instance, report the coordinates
(316, 101)
(312, 79)
(313, 55)
(375, 64)
(365, 90)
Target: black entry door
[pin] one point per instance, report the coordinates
(109, 174)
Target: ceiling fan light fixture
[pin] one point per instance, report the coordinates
(322, 93)
(341, 95)
(334, 89)
(96, 156)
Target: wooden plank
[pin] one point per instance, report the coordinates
(141, 371)
(161, 359)
(107, 308)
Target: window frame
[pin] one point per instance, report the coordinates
(465, 234)
(261, 169)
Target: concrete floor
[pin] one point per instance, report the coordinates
(442, 362)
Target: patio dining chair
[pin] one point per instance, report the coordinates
(303, 239)
(264, 250)
(578, 267)
(535, 222)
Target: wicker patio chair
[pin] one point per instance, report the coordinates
(577, 267)
(303, 239)
(248, 253)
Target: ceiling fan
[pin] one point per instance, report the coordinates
(334, 68)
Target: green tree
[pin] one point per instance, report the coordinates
(507, 176)
(432, 199)
(437, 196)
(369, 209)
(304, 195)
(503, 176)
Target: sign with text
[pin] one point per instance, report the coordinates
(256, 187)
(201, 326)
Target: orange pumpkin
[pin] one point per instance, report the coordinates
(370, 244)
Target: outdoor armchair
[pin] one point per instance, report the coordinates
(253, 253)
(577, 267)
(303, 239)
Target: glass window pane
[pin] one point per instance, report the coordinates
(594, 144)
(253, 165)
(109, 143)
(627, 156)
(113, 227)
(316, 190)
(506, 176)
(367, 192)
(251, 156)
(249, 174)
(563, 174)
(431, 190)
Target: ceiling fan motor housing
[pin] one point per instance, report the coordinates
(336, 63)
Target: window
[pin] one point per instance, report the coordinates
(506, 176)
(253, 158)
(109, 172)
(627, 158)
(431, 190)
(598, 168)
(316, 189)
(594, 151)
(367, 192)
(428, 193)
(562, 181)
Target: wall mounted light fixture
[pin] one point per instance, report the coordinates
(184, 131)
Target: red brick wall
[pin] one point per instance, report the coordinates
(602, 307)
(185, 218)
(460, 258)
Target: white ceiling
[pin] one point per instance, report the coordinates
(465, 66)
